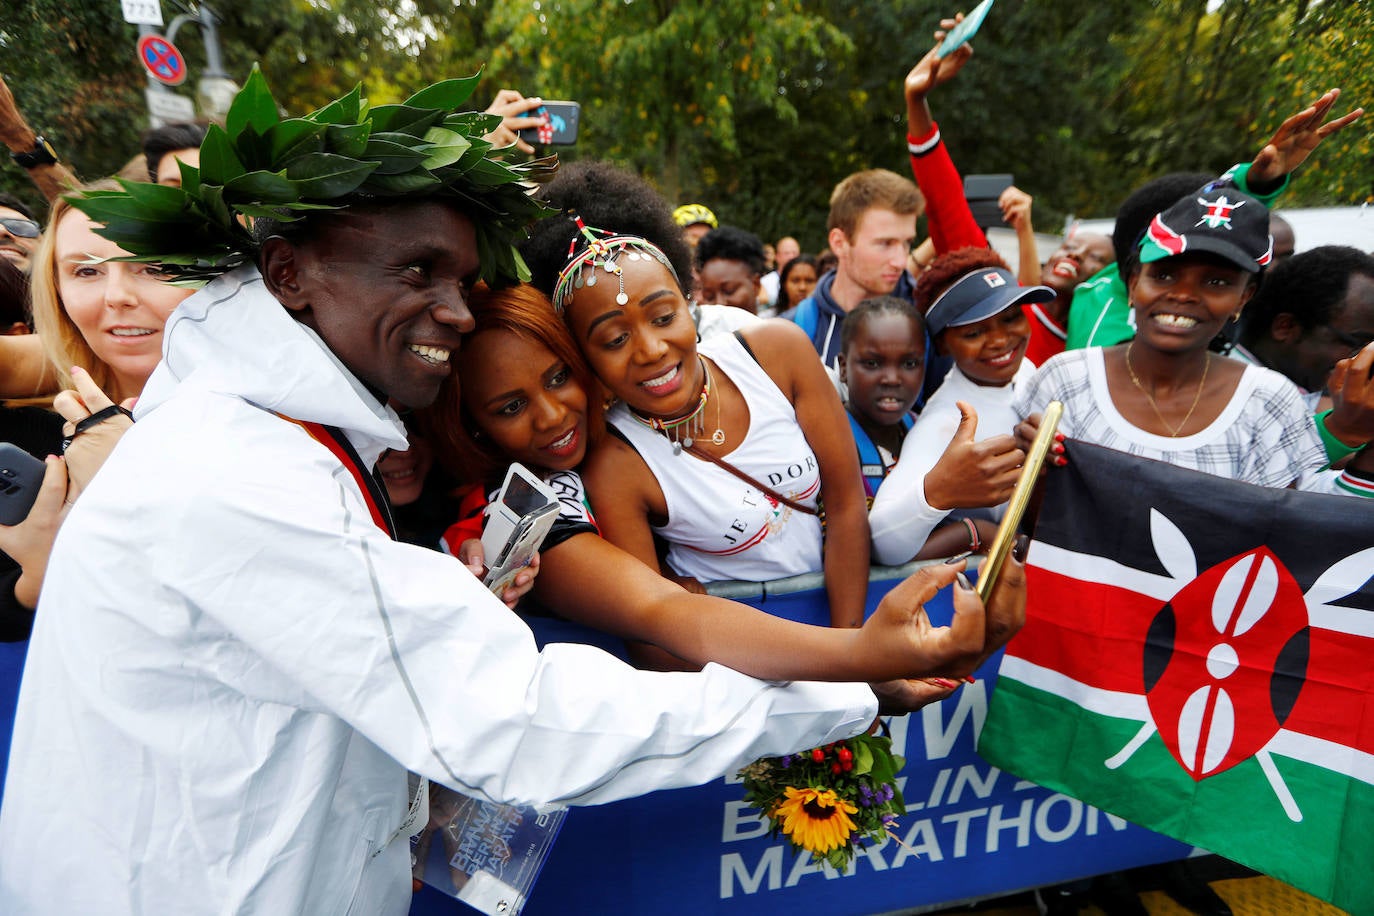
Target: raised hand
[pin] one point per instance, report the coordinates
(931, 71)
(1352, 398)
(513, 109)
(1296, 138)
(974, 474)
(88, 449)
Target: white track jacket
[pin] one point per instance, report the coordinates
(233, 667)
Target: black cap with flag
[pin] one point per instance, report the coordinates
(1221, 221)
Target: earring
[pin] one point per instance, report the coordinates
(1236, 317)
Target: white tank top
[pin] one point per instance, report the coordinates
(720, 527)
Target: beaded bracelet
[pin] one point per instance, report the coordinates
(974, 542)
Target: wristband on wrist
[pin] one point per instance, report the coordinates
(973, 540)
(41, 154)
(919, 146)
(1356, 483)
(1335, 448)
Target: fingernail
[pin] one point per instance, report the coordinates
(1018, 550)
(970, 679)
(1058, 437)
(78, 370)
(1060, 461)
(963, 581)
(1058, 449)
(959, 558)
(944, 682)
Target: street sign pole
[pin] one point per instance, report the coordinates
(214, 90)
(165, 65)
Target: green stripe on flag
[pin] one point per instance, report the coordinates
(1330, 853)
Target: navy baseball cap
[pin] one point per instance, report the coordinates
(1223, 222)
(980, 294)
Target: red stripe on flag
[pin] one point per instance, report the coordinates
(1095, 635)
(1335, 703)
(1071, 625)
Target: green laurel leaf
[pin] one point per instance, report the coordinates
(253, 107)
(326, 175)
(446, 94)
(218, 161)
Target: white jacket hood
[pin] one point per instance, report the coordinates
(280, 364)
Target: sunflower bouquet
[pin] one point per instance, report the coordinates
(829, 800)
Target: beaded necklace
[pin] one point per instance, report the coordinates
(684, 431)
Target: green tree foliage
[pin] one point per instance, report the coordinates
(1195, 106)
(1328, 44)
(73, 71)
(757, 110)
(661, 81)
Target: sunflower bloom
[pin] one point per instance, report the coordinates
(816, 819)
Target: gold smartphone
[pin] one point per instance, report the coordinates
(991, 568)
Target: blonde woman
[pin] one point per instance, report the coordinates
(100, 322)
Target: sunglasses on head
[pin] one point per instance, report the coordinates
(21, 228)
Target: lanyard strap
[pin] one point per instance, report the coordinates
(757, 485)
(374, 494)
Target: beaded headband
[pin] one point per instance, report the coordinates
(602, 249)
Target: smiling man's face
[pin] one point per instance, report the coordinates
(386, 288)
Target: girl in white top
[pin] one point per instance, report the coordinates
(627, 312)
(719, 526)
(959, 459)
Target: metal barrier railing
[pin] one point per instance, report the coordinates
(745, 591)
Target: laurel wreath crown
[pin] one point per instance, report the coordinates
(260, 165)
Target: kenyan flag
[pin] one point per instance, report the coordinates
(1198, 657)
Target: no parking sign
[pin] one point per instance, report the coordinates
(162, 59)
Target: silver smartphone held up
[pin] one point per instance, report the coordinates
(517, 522)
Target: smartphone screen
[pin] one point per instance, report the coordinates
(561, 121)
(522, 497)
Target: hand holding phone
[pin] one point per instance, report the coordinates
(983, 193)
(518, 520)
(965, 30)
(32, 495)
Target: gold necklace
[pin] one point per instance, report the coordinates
(1173, 430)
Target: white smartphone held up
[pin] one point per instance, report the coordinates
(517, 522)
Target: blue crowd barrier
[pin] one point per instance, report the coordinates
(971, 832)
